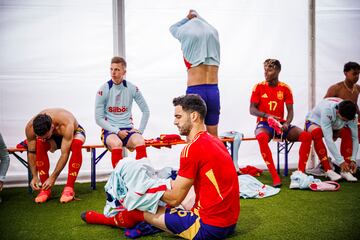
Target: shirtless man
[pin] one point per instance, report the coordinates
(52, 129)
(201, 51)
(347, 89)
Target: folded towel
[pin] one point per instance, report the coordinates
(170, 137)
(251, 170)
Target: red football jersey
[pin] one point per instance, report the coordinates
(206, 160)
(271, 100)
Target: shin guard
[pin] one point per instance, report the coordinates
(305, 139)
(346, 144)
(74, 162)
(116, 156)
(263, 140)
(320, 148)
(42, 159)
(140, 152)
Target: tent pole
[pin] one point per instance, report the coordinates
(119, 28)
(312, 65)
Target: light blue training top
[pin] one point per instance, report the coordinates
(4, 159)
(199, 41)
(134, 184)
(113, 106)
(324, 115)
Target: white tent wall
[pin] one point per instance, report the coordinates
(250, 32)
(56, 54)
(53, 54)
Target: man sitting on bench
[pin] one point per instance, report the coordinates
(53, 129)
(267, 100)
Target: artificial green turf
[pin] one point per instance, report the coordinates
(292, 214)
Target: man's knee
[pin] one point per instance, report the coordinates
(305, 137)
(317, 134)
(136, 140)
(262, 137)
(113, 141)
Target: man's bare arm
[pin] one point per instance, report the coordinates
(31, 139)
(180, 188)
(65, 152)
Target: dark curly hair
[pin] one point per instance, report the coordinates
(191, 103)
(347, 109)
(42, 124)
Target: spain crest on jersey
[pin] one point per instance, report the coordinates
(280, 95)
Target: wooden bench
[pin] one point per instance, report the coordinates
(228, 142)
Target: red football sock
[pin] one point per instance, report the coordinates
(305, 139)
(42, 159)
(346, 144)
(116, 156)
(140, 152)
(127, 219)
(74, 162)
(263, 140)
(93, 217)
(320, 148)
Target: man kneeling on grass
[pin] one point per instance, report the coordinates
(205, 164)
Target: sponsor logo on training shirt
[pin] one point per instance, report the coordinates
(117, 109)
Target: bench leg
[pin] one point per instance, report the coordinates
(93, 169)
(286, 169)
(278, 157)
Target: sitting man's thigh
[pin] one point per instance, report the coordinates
(135, 140)
(113, 141)
(294, 134)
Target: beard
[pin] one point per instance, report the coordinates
(185, 129)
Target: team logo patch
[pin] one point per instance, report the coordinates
(39, 163)
(75, 165)
(100, 93)
(280, 95)
(330, 117)
(264, 95)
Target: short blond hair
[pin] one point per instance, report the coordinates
(118, 60)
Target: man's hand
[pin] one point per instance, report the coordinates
(192, 14)
(344, 167)
(48, 183)
(353, 167)
(285, 126)
(122, 134)
(34, 184)
(134, 130)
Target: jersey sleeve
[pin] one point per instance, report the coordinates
(175, 28)
(353, 125)
(289, 99)
(255, 94)
(100, 108)
(187, 167)
(140, 100)
(326, 127)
